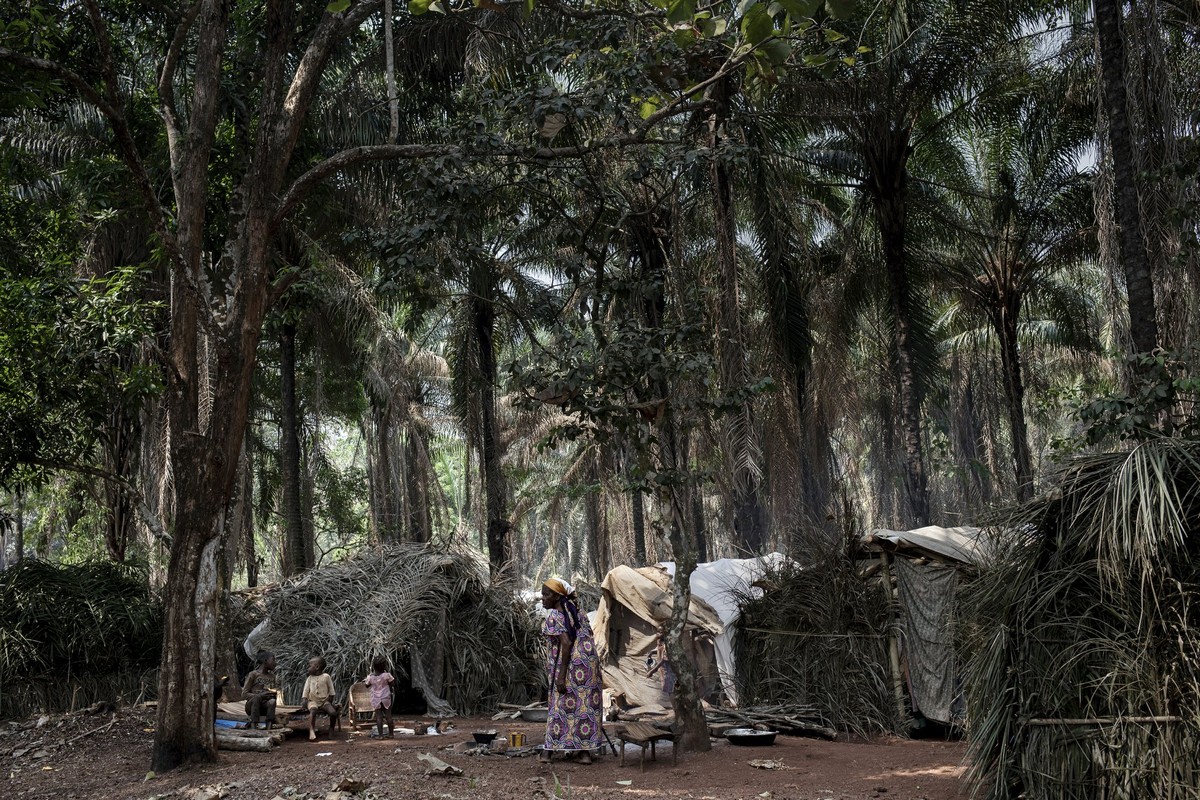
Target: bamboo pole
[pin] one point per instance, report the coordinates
(893, 636)
(1083, 721)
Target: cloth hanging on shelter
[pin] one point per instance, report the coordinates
(434, 703)
(927, 596)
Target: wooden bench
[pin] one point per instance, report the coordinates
(643, 735)
(294, 714)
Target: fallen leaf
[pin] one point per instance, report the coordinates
(437, 766)
(624, 783)
(552, 125)
(323, 754)
(762, 763)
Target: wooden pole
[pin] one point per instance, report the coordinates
(893, 634)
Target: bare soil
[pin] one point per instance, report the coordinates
(110, 762)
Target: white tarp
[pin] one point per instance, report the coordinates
(962, 545)
(722, 584)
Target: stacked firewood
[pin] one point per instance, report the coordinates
(792, 720)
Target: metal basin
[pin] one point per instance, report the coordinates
(750, 737)
(534, 715)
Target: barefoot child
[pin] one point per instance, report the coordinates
(318, 695)
(380, 681)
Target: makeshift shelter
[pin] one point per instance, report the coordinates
(925, 564)
(634, 603)
(1084, 639)
(455, 641)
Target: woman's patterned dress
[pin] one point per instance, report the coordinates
(573, 719)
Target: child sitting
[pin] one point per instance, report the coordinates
(318, 696)
(380, 682)
(259, 690)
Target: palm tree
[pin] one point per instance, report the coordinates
(925, 55)
(1020, 219)
(1139, 279)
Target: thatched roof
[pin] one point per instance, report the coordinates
(477, 643)
(1085, 680)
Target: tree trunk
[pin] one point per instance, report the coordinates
(890, 192)
(19, 549)
(308, 493)
(295, 549)
(246, 498)
(686, 702)
(389, 46)
(1139, 280)
(749, 515)
(417, 481)
(1005, 322)
(120, 520)
(639, 527)
(184, 731)
(484, 319)
(690, 722)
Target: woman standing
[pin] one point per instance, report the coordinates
(573, 718)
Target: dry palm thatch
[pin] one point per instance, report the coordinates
(817, 637)
(477, 643)
(1085, 680)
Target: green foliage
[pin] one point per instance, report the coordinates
(65, 349)
(608, 379)
(1163, 401)
(62, 623)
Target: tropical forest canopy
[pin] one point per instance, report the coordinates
(576, 282)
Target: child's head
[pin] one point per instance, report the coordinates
(266, 660)
(380, 664)
(316, 665)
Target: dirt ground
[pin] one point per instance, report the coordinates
(85, 757)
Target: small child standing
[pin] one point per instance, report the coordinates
(318, 696)
(380, 681)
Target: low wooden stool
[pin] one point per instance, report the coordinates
(642, 734)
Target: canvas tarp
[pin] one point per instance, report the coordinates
(961, 545)
(634, 603)
(722, 584)
(927, 597)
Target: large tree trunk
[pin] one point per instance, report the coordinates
(1005, 322)
(295, 550)
(690, 722)
(484, 329)
(741, 433)
(686, 702)
(1139, 280)
(416, 489)
(890, 191)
